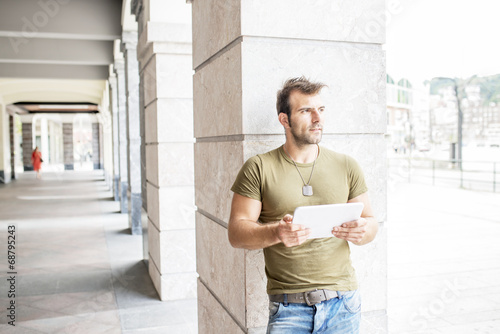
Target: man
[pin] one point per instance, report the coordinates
(312, 286)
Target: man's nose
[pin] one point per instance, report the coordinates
(316, 115)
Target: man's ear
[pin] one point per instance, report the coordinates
(283, 118)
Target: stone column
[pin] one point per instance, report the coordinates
(52, 154)
(144, 183)
(12, 147)
(69, 158)
(5, 155)
(27, 129)
(106, 147)
(102, 151)
(96, 145)
(242, 52)
(129, 50)
(44, 139)
(165, 65)
(122, 132)
(113, 102)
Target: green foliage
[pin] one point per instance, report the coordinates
(490, 86)
(490, 89)
(438, 84)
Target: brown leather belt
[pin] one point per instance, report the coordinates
(309, 297)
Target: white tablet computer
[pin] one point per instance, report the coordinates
(322, 218)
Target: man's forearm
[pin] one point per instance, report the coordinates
(252, 235)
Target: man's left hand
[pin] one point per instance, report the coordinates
(352, 231)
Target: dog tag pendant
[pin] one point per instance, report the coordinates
(307, 190)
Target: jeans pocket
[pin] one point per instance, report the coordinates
(274, 309)
(351, 300)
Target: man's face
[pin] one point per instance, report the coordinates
(306, 119)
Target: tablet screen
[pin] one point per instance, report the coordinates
(322, 218)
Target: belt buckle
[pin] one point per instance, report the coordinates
(306, 298)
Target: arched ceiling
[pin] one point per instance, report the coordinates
(51, 90)
(57, 50)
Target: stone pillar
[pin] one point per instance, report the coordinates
(12, 147)
(96, 145)
(165, 65)
(52, 154)
(243, 51)
(113, 102)
(109, 154)
(27, 129)
(5, 152)
(102, 151)
(144, 192)
(44, 139)
(106, 135)
(129, 50)
(69, 157)
(122, 133)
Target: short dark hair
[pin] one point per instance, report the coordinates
(303, 85)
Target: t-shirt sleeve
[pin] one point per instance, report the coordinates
(357, 184)
(248, 181)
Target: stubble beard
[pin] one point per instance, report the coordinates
(302, 140)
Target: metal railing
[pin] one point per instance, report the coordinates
(474, 175)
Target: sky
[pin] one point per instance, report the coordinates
(442, 38)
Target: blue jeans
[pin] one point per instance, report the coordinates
(340, 315)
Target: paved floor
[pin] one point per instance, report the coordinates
(443, 260)
(79, 270)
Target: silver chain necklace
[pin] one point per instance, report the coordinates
(307, 189)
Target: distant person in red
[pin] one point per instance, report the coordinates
(36, 159)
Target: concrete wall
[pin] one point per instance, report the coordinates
(243, 51)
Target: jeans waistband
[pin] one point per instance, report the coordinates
(309, 297)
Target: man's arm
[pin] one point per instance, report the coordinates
(361, 231)
(244, 230)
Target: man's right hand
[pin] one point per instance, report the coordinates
(291, 234)
(244, 230)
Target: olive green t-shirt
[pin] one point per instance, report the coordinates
(273, 179)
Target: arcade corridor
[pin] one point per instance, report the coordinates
(78, 268)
